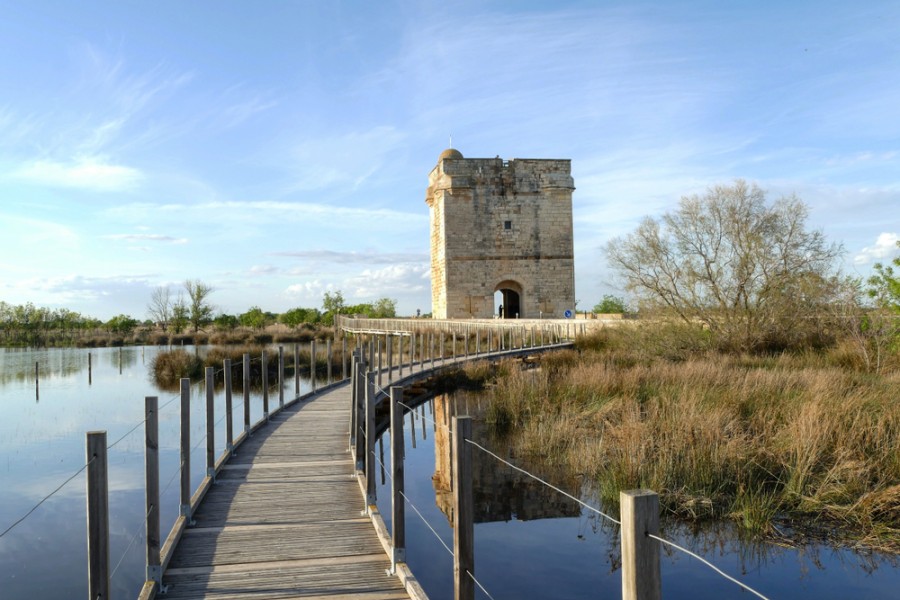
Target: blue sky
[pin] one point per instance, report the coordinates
(278, 150)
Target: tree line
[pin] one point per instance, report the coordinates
(189, 309)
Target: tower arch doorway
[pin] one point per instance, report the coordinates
(508, 300)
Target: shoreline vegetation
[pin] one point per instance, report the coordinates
(170, 366)
(789, 447)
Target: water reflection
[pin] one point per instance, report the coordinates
(500, 493)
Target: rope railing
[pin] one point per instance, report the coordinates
(45, 498)
(616, 521)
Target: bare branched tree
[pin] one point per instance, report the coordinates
(750, 271)
(160, 307)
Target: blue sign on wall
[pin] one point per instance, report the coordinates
(568, 314)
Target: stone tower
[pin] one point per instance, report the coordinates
(505, 226)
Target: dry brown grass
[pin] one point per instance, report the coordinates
(750, 438)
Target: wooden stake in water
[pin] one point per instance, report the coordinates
(97, 515)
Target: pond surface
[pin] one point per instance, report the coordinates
(532, 542)
(42, 444)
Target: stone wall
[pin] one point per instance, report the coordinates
(499, 224)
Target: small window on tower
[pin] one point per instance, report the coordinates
(507, 224)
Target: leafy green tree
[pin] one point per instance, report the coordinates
(298, 316)
(200, 311)
(255, 318)
(747, 269)
(225, 322)
(384, 308)
(884, 285)
(611, 305)
(122, 324)
(180, 316)
(333, 302)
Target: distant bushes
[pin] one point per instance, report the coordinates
(169, 368)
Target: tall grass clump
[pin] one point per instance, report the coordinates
(751, 438)
(170, 367)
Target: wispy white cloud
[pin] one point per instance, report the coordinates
(90, 173)
(885, 247)
(391, 281)
(368, 257)
(146, 237)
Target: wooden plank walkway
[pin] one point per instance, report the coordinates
(284, 518)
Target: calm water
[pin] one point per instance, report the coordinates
(42, 438)
(531, 542)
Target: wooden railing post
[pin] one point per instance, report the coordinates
(354, 359)
(343, 357)
(185, 495)
(297, 370)
(398, 506)
(281, 376)
(229, 416)
(477, 341)
(463, 511)
(97, 515)
(640, 553)
(400, 339)
(210, 423)
(312, 364)
(245, 388)
(389, 343)
(328, 361)
(151, 487)
(412, 351)
(370, 439)
(379, 353)
(265, 384)
(360, 410)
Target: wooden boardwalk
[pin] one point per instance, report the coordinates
(284, 518)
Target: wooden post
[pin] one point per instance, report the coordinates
(229, 417)
(90, 368)
(477, 341)
(398, 506)
(370, 364)
(441, 356)
(378, 351)
(210, 423)
(412, 351)
(296, 370)
(389, 342)
(281, 376)
(353, 388)
(453, 353)
(640, 553)
(343, 357)
(312, 364)
(328, 361)
(464, 510)
(245, 388)
(151, 485)
(265, 385)
(400, 355)
(370, 440)
(37, 385)
(360, 452)
(97, 515)
(185, 503)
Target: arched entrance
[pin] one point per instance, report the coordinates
(508, 300)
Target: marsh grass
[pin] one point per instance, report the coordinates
(800, 438)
